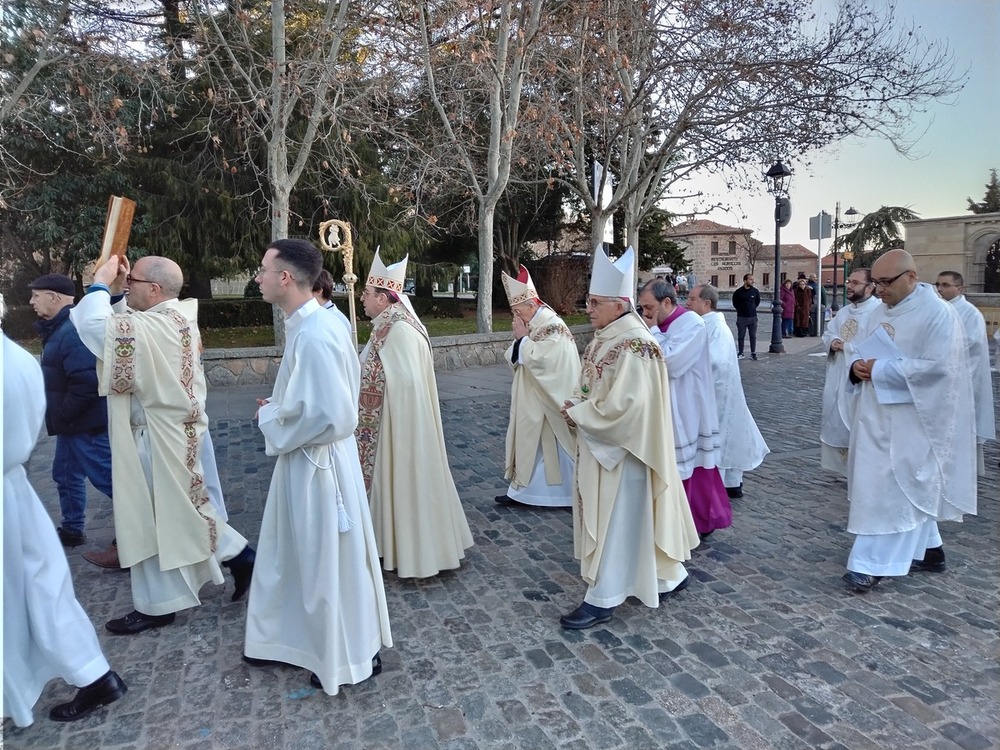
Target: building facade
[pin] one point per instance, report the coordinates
(969, 244)
(719, 254)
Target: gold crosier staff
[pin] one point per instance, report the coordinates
(339, 233)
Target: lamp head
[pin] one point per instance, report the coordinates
(778, 177)
(851, 217)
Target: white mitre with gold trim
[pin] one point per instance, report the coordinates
(387, 277)
(521, 289)
(615, 279)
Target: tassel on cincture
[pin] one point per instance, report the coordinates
(344, 522)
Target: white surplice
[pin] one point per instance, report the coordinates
(317, 599)
(46, 633)
(912, 455)
(742, 447)
(978, 350)
(148, 365)
(849, 325)
(692, 393)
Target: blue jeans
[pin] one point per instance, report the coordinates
(787, 326)
(78, 458)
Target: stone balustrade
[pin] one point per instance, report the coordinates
(259, 365)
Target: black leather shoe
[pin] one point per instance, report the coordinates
(315, 681)
(135, 622)
(71, 538)
(679, 587)
(586, 616)
(107, 689)
(862, 583)
(933, 562)
(505, 500)
(241, 567)
(735, 492)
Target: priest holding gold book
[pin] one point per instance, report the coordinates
(148, 365)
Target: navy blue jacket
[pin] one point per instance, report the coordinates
(70, 372)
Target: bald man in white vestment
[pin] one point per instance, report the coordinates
(912, 457)
(169, 534)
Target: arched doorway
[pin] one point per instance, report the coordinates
(991, 273)
(985, 266)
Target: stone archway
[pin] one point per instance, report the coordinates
(984, 249)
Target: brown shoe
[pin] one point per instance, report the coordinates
(104, 559)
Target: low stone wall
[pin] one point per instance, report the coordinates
(259, 366)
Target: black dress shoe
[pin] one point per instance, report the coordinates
(71, 538)
(107, 689)
(933, 562)
(241, 567)
(735, 492)
(679, 587)
(505, 500)
(135, 622)
(586, 616)
(862, 583)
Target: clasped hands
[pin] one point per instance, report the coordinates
(862, 368)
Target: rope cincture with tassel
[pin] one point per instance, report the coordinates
(344, 522)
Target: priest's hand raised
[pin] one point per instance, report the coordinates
(112, 274)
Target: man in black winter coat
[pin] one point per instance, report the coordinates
(745, 301)
(74, 411)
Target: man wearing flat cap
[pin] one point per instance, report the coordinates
(74, 412)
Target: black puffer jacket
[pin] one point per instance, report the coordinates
(70, 372)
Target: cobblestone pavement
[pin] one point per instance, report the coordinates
(766, 649)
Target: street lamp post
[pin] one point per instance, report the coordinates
(778, 178)
(850, 219)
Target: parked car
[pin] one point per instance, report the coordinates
(410, 286)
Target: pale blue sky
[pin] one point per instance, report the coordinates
(950, 162)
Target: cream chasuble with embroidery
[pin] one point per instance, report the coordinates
(546, 373)
(419, 523)
(148, 366)
(624, 410)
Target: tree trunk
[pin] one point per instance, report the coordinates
(484, 293)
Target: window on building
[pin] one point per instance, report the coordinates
(715, 281)
(766, 281)
(783, 277)
(732, 247)
(715, 248)
(732, 279)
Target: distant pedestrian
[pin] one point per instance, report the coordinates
(746, 299)
(803, 308)
(787, 309)
(75, 412)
